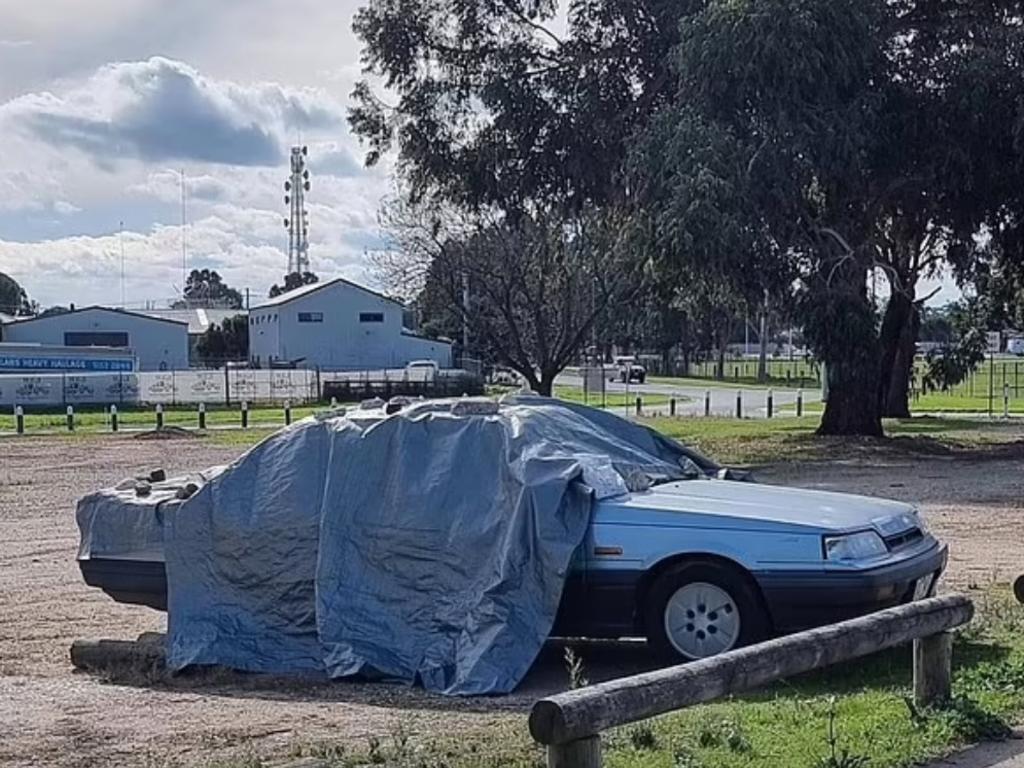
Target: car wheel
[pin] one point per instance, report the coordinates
(699, 609)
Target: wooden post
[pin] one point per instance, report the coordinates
(639, 405)
(672, 406)
(771, 403)
(245, 414)
(584, 753)
(933, 669)
(159, 416)
(1006, 399)
(113, 418)
(71, 418)
(202, 415)
(739, 403)
(287, 412)
(707, 402)
(799, 402)
(19, 419)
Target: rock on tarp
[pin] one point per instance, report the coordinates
(428, 546)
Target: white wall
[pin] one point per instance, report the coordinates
(342, 340)
(157, 344)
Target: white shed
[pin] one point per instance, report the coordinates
(337, 326)
(158, 345)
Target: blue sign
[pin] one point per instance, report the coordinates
(94, 364)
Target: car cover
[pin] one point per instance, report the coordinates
(429, 545)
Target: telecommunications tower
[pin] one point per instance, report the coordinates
(297, 222)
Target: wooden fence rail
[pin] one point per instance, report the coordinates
(570, 723)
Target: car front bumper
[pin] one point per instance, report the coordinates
(802, 599)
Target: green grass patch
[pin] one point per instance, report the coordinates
(862, 709)
(621, 400)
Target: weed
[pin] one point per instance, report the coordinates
(838, 758)
(643, 738)
(574, 666)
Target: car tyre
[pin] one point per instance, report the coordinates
(676, 599)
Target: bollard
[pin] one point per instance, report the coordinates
(113, 418)
(739, 403)
(334, 403)
(707, 402)
(71, 418)
(245, 414)
(672, 406)
(799, 402)
(159, 416)
(1006, 400)
(771, 403)
(19, 419)
(287, 412)
(202, 415)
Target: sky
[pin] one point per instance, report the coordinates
(104, 103)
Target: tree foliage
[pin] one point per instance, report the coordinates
(206, 288)
(530, 288)
(13, 299)
(292, 281)
(227, 341)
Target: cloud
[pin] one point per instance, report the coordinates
(15, 43)
(160, 110)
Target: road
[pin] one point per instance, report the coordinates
(691, 398)
(1003, 754)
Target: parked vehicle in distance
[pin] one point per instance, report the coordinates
(629, 370)
(424, 370)
(1015, 346)
(698, 566)
(505, 377)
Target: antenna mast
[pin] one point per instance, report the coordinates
(297, 222)
(184, 241)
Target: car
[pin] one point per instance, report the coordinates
(697, 566)
(1015, 347)
(505, 377)
(425, 370)
(630, 370)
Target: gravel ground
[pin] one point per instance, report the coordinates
(51, 716)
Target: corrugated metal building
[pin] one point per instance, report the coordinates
(157, 344)
(338, 325)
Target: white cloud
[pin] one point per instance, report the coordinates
(161, 110)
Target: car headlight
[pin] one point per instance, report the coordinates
(919, 520)
(854, 546)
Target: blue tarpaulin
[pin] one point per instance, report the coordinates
(429, 546)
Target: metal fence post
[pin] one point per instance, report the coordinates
(799, 402)
(71, 418)
(202, 415)
(771, 403)
(707, 402)
(19, 419)
(159, 416)
(113, 418)
(739, 403)
(1006, 400)
(584, 753)
(933, 669)
(245, 414)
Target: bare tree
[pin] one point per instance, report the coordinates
(528, 290)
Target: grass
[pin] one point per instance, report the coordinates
(620, 400)
(861, 708)
(92, 419)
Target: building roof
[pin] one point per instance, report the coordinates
(94, 307)
(305, 290)
(198, 319)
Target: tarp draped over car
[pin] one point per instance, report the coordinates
(429, 546)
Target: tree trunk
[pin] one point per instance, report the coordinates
(898, 345)
(852, 405)
(546, 385)
(723, 340)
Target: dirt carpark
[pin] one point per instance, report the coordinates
(51, 716)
